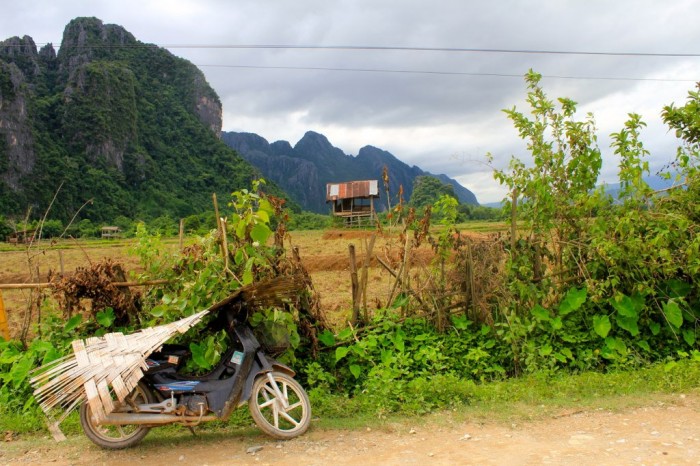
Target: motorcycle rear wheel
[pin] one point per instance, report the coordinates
(268, 410)
(116, 437)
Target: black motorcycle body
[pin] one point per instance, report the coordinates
(245, 374)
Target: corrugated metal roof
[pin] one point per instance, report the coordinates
(352, 189)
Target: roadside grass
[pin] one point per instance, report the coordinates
(514, 400)
(524, 398)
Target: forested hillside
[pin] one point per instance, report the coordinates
(126, 127)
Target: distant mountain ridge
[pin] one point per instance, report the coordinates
(304, 169)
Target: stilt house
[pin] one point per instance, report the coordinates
(353, 201)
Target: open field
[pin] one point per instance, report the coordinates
(324, 254)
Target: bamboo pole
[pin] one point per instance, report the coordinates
(26, 286)
(513, 221)
(182, 231)
(222, 232)
(4, 327)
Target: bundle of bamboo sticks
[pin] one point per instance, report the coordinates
(98, 363)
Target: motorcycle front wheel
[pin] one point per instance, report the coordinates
(284, 412)
(116, 437)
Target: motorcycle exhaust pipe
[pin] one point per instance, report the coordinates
(120, 419)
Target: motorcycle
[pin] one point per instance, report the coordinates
(278, 404)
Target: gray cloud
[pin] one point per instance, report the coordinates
(442, 123)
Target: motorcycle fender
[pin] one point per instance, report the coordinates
(257, 370)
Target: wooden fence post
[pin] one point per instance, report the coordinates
(4, 327)
(363, 277)
(355, 285)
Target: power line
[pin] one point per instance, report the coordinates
(392, 48)
(431, 49)
(408, 49)
(445, 73)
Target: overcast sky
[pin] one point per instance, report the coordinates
(440, 110)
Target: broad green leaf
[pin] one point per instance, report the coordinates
(386, 356)
(239, 256)
(556, 323)
(540, 313)
(460, 322)
(355, 370)
(545, 350)
(673, 313)
(344, 334)
(212, 354)
(72, 323)
(327, 338)
(294, 339)
(40, 346)
(341, 352)
(655, 328)
(616, 344)
(240, 229)
(601, 325)
(247, 277)
(105, 318)
(573, 300)
(628, 323)
(265, 206)
(677, 288)
(260, 233)
(198, 355)
(567, 352)
(20, 370)
(559, 357)
(263, 215)
(398, 343)
(689, 336)
(158, 311)
(256, 319)
(644, 345)
(625, 306)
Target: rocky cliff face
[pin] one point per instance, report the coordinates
(298, 177)
(303, 170)
(17, 157)
(116, 119)
(99, 94)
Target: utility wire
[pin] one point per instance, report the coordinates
(448, 73)
(433, 49)
(408, 49)
(393, 48)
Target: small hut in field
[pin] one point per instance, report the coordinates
(353, 201)
(109, 232)
(21, 237)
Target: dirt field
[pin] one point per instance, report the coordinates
(324, 254)
(665, 432)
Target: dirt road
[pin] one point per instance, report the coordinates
(663, 433)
